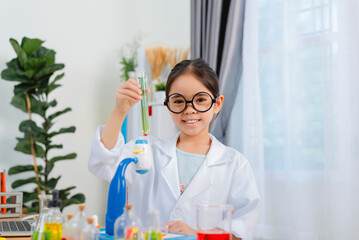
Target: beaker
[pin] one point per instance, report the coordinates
(214, 222)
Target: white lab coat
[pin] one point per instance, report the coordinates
(225, 177)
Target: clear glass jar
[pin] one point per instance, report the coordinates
(127, 226)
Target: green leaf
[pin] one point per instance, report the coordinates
(30, 45)
(49, 70)
(30, 127)
(64, 193)
(54, 146)
(56, 114)
(53, 103)
(29, 196)
(50, 57)
(23, 168)
(24, 88)
(32, 209)
(53, 85)
(21, 54)
(50, 166)
(35, 63)
(15, 75)
(76, 199)
(24, 146)
(52, 182)
(19, 101)
(65, 157)
(21, 182)
(71, 129)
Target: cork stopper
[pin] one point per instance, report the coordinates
(69, 216)
(90, 220)
(82, 207)
(128, 207)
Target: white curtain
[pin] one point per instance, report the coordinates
(296, 117)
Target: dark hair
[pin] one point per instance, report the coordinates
(200, 69)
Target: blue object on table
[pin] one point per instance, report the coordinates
(117, 195)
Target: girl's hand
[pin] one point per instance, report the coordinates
(127, 95)
(180, 227)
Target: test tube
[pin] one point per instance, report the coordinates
(144, 104)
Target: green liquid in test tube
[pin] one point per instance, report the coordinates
(144, 104)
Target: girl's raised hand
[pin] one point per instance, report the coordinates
(127, 95)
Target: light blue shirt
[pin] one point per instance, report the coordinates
(188, 165)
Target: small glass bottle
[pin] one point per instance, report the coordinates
(66, 230)
(154, 231)
(127, 226)
(77, 223)
(90, 232)
(53, 220)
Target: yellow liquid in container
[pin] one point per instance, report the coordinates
(52, 231)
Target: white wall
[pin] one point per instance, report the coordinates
(86, 36)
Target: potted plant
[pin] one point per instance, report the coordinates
(33, 70)
(159, 94)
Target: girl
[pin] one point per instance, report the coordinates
(192, 168)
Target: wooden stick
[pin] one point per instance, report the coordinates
(32, 144)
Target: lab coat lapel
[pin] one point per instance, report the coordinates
(168, 166)
(202, 179)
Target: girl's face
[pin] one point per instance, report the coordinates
(190, 121)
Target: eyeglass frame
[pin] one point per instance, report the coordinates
(214, 100)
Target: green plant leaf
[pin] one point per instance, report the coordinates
(19, 101)
(50, 166)
(65, 157)
(53, 182)
(53, 85)
(23, 88)
(76, 199)
(21, 182)
(21, 54)
(29, 196)
(30, 127)
(24, 146)
(48, 70)
(30, 45)
(14, 73)
(50, 57)
(71, 129)
(56, 114)
(23, 168)
(64, 193)
(35, 63)
(54, 146)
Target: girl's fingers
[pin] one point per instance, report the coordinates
(128, 93)
(133, 86)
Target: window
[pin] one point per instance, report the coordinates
(296, 49)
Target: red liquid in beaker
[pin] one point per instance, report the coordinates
(214, 236)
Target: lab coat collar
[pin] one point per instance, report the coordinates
(201, 181)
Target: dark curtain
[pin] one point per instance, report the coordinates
(216, 36)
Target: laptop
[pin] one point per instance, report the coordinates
(14, 228)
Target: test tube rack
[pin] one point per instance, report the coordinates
(16, 206)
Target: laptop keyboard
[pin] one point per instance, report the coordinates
(14, 226)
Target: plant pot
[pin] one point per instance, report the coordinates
(159, 97)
